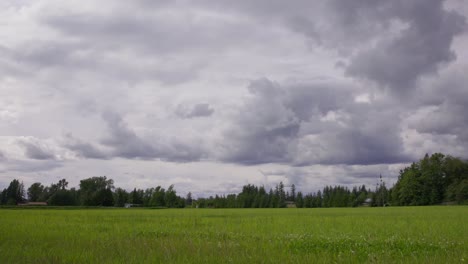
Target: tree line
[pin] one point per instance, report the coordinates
(433, 180)
(331, 196)
(94, 191)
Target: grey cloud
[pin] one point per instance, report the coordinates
(307, 101)
(8, 66)
(420, 48)
(141, 66)
(83, 58)
(121, 47)
(125, 143)
(27, 59)
(197, 110)
(35, 151)
(154, 31)
(83, 149)
(444, 119)
(296, 176)
(48, 54)
(366, 137)
(267, 8)
(420, 45)
(418, 38)
(321, 21)
(365, 146)
(365, 172)
(443, 105)
(26, 166)
(305, 124)
(263, 128)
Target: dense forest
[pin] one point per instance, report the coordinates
(435, 179)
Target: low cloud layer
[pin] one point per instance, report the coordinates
(327, 92)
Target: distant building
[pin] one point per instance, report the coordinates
(128, 205)
(367, 202)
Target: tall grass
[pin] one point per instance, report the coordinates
(348, 235)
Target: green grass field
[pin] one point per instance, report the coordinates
(356, 235)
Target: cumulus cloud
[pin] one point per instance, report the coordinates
(306, 124)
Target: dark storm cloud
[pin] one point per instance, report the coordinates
(306, 124)
(198, 110)
(36, 151)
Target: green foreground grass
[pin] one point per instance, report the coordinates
(345, 235)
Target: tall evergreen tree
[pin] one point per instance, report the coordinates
(293, 192)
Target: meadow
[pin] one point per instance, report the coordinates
(437, 234)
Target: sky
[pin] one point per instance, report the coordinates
(210, 95)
